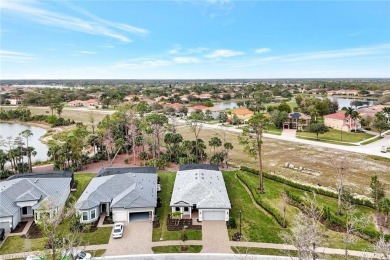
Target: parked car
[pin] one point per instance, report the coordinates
(83, 256)
(117, 231)
(2, 234)
(384, 149)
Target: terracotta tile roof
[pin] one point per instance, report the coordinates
(199, 107)
(241, 111)
(338, 115)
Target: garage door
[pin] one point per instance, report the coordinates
(213, 215)
(5, 225)
(139, 216)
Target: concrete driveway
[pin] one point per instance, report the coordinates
(137, 239)
(215, 237)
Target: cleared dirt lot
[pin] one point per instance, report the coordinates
(323, 161)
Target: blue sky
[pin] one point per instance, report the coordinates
(194, 39)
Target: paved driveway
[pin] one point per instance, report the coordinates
(215, 237)
(137, 239)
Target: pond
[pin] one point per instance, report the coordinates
(346, 102)
(14, 129)
(226, 105)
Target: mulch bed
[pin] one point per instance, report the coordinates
(156, 224)
(108, 220)
(34, 231)
(179, 224)
(19, 227)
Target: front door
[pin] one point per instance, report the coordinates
(24, 211)
(104, 207)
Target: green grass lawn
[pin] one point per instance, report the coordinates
(175, 249)
(17, 244)
(257, 225)
(335, 135)
(167, 180)
(273, 191)
(262, 251)
(272, 129)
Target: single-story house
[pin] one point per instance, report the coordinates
(339, 121)
(297, 120)
(200, 187)
(51, 174)
(31, 196)
(242, 113)
(127, 195)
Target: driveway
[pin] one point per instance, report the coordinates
(215, 237)
(137, 239)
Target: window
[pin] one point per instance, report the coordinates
(177, 209)
(185, 208)
(93, 214)
(85, 215)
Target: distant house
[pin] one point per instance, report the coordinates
(297, 120)
(201, 189)
(30, 196)
(339, 121)
(371, 111)
(128, 194)
(214, 111)
(76, 103)
(199, 107)
(343, 92)
(242, 113)
(91, 102)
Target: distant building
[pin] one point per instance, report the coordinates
(242, 113)
(297, 120)
(339, 121)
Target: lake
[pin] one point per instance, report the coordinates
(346, 102)
(226, 105)
(13, 130)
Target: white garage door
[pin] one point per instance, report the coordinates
(5, 225)
(214, 215)
(119, 216)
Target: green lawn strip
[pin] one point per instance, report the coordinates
(167, 180)
(100, 236)
(17, 244)
(257, 225)
(176, 249)
(279, 252)
(96, 253)
(372, 140)
(242, 250)
(272, 129)
(336, 135)
(325, 140)
(273, 191)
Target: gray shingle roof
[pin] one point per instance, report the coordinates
(127, 190)
(26, 189)
(205, 188)
(120, 170)
(211, 167)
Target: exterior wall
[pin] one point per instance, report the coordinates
(89, 214)
(122, 215)
(334, 123)
(203, 210)
(182, 211)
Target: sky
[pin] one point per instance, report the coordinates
(209, 39)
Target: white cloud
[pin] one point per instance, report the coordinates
(95, 26)
(184, 60)
(262, 50)
(14, 56)
(223, 53)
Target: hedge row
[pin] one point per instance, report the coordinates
(304, 187)
(332, 218)
(267, 207)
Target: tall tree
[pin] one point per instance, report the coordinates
(377, 189)
(26, 134)
(228, 146)
(157, 124)
(215, 142)
(196, 121)
(384, 207)
(253, 145)
(317, 129)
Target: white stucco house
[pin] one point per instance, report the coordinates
(200, 187)
(127, 194)
(30, 197)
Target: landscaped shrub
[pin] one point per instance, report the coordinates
(304, 187)
(265, 205)
(232, 223)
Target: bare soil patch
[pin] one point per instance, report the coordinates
(34, 231)
(19, 227)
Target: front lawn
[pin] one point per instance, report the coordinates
(17, 244)
(272, 129)
(167, 180)
(176, 249)
(337, 135)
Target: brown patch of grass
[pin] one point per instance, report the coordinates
(277, 152)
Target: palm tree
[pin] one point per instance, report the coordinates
(215, 142)
(355, 117)
(26, 134)
(349, 112)
(228, 146)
